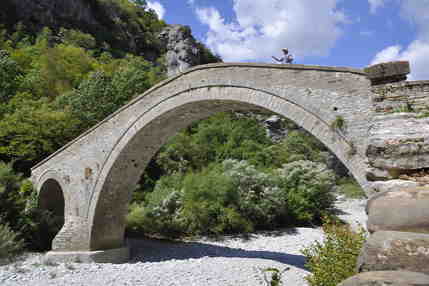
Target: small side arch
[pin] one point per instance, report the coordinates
(51, 204)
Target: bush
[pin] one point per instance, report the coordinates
(159, 213)
(308, 186)
(261, 200)
(210, 204)
(18, 210)
(234, 197)
(334, 259)
(10, 244)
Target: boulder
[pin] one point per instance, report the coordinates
(399, 210)
(393, 250)
(392, 185)
(391, 278)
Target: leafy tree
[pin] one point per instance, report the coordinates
(102, 94)
(34, 130)
(9, 77)
(220, 137)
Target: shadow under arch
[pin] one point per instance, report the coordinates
(51, 205)
(155, 125)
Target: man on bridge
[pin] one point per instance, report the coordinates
(286, 59)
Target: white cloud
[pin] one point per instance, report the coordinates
(389, 54)
(375, 4)
(157, 7)
(262, 27)
(417, 52)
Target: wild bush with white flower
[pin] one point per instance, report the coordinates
(234, 197)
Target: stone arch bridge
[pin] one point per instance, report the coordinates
(350, 110)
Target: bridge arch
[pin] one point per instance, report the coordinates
(153, 126)
(51, 198)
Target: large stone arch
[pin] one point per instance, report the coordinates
(99, 168)
(155, 125)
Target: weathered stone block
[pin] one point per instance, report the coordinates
(399, 210)
(388, 72)
(391, 278)
(398, 142)
(393, 250)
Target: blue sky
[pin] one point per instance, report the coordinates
(353, 33)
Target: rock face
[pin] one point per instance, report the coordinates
(183, 50)
(392, 185)
(105, 20)
(399, 210)
(393, 250)
(399, 142)
(391, 278)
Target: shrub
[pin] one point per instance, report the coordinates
(10, 244)
(159, 213)
(334, 259)
(18, 209)
(261, 200)
(211, 204)
(298, 145)
(339, 123)
(308, 186)
(234, 197)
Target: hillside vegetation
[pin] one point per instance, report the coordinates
(65, 67)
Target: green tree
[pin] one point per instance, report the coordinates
(34, 130)
(9, 77)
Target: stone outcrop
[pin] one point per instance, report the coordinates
(391, 278)
(399, 210)
(393, 250)
(183, 51)
(398, 143)
(392, 185)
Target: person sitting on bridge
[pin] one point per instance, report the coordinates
(289, 59)
(282, 60)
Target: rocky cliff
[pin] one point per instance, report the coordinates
(117, 25)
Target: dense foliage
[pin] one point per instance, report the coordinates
(234, 197)
(334, 259)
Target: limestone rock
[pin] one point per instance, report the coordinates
(275, 129)
(400, 210)
(391, 278)
(182, 49)
(393, 250)
(398, 143)
(392, 185)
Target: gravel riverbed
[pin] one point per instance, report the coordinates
(203, 262)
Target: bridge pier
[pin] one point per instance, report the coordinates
(72, 244)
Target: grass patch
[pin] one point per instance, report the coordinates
(350, 188)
